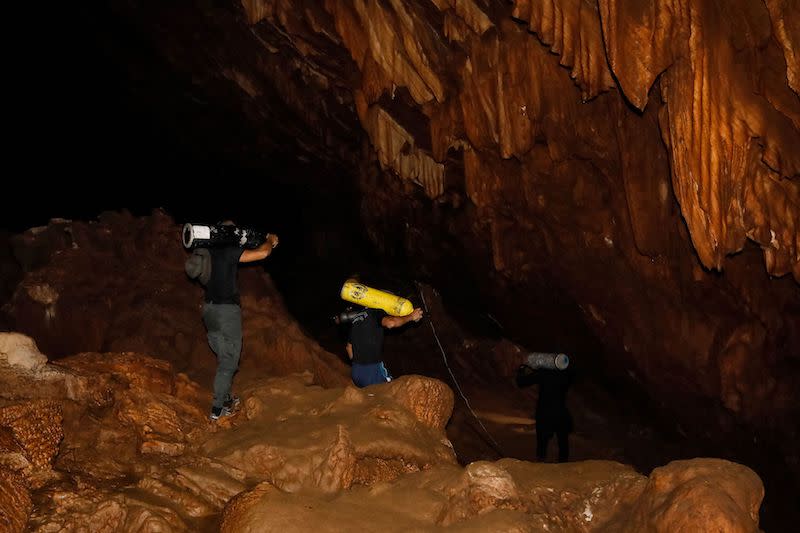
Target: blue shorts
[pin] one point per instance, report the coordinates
(371, 374)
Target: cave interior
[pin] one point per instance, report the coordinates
(614, 182)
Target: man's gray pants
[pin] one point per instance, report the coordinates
(224, 325)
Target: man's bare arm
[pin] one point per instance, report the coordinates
(349, 348)
(262, 252)
(390, 322)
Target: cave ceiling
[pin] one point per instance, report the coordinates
(699, 100)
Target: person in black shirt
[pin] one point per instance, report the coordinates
(222, 316)
(552, 415)
(365, 344)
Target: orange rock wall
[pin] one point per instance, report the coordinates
(729, 115)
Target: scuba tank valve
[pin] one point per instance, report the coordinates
(345, 317)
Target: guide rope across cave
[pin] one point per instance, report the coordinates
(493, 442)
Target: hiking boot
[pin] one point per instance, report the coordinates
(219, 412)
(232, 402)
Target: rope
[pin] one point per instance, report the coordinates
(453, 377)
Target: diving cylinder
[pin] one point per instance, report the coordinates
(553, 361)
(358, 293)
(209, 235)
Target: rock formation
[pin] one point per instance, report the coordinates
(133, 432)
(138, 454)
(510, 495)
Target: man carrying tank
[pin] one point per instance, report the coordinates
(365, 344)
(222, 314)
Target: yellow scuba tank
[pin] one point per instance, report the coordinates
(358, 293)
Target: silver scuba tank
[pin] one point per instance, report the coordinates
(553, 361)
(210, 235)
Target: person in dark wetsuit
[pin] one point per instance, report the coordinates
(222, 317)
(365, 344)
(552, 415)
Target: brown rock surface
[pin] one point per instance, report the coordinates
(139, 455)
(299, 436)
(15, 501)
(20, 351)
(118, 409)
(513, 495)
(91, 509)
(707, 494)
(36, 430)
(430, 400)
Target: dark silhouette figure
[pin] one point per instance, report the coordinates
(552, 415)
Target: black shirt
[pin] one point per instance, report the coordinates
(366, 336)
(222, 286)
(553, 386)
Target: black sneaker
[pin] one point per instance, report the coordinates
(219, 412)
(232, 402)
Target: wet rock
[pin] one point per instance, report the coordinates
(20, 351)
(430, 400)
(212, 481)
(15, 501)
(484, 487)
(96, 510)
(515, 496)
(700, 494)
(299, 436)
(36, 429)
